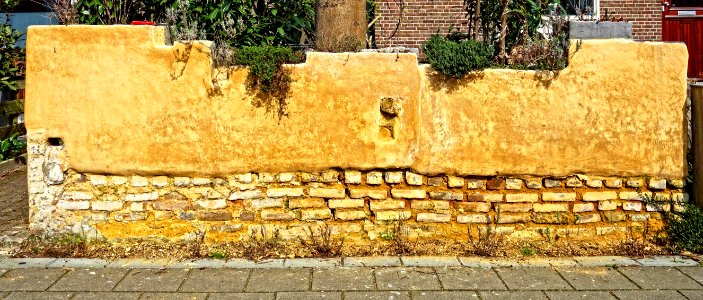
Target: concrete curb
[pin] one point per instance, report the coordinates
(405, 261)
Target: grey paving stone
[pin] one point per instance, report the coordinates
(106, 296)
(443, 295)
(240, 263)
(648, 295)
(152, 280)
(308, 295)
(39, 295)
(585, 295)
(598, 278)
(79, 263)
(29, 279)
(605, 261)
(374, 261)
(667, 261)
(215, 280)
(198, 263)
(513, 295)
(16, 263)
(399, 278)
(664, 278)
(312, 262)
(174, 296)
(694, 272)
(241, 296)
(279, 280)
(692, 294)
(532, 279)
(430, 261)
(138, 263)
(89, 280)
(389, 295)
(343, 279)
(469, 279)
(485, 262)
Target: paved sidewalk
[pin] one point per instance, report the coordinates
(281, 279)
(14, 208)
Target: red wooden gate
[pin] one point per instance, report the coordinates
(685, 24)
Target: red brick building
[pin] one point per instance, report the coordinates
(411, 22)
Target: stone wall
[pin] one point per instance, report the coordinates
(132, 138)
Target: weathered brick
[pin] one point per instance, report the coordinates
(521, 197)
(552, 183)
(393, 177)
(98, 180)
(599, 196)
(306, 203)
(246, 195)
(352, 177)
(429, 205)
(201, 181)
(264, 203)
(660, 196)
(413, 179)
(186, 215)
(473, 218)
(345, 203)
(513, 207)
(607, 205)
(587, 218)
(142, 196)
(677, 183)
(474, 184)
(386, 204)
(277, 215)
(139, 181)
(594, 183)
(613, 182)
(446, 196)
(657, 184)
(348, 215)
(392, 215)
(77, 195)
(495, 184)
(316, 214)
(136, 206)
(267, 177)
(573, 181)
(550, 207)
(211, 204)
(131, 216)
(434, 218)
(635, 195)
(307, 177)
(245, 178)
(181, 181)
(513, 184)
(408, 194)
(373, 194)
(455, 182)
(329, 176)
(632, 205)
(435, 181)
(73, 205)
(615, 216)
(164, 215)
(286, 177)
(107, 205)
(610, 230)
(159, 181)
(485, 197)
(171, 205)
(583, 207)
(680, 197)
(327, 193)
(533, 183)
(472, 206)
(118, 180)
(247, 215)
(284, 192)
(639, 217)
(559, 196)
(374, 178)
(512, 218)
(551, 218)
(220, 215)
(635, 182)
(662, 206)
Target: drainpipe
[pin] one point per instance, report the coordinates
(697, 130)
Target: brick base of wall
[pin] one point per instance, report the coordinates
(352, 203)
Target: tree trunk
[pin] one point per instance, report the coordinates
(477, 20)
(502, 54)
(340, 25)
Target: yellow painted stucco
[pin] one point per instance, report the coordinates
(125, 103)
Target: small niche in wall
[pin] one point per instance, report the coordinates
(55, 141)
(390, 113)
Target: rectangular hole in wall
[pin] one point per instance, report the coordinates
(54, 141)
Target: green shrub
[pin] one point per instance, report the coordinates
(12, 147)
(685, 229)
(457, 58)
